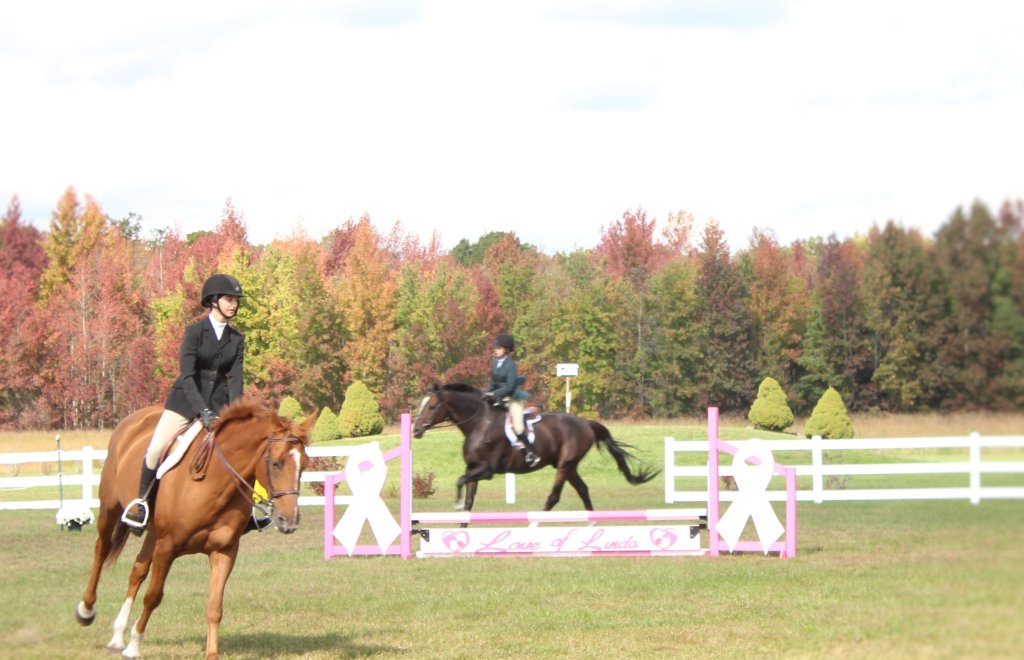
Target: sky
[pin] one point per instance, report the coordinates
(547, 118)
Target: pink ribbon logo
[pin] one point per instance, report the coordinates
(663, 538)
(456, 541)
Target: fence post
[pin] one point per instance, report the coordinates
(670, 466)
(87, 475)
(816, 464)
(790, 512)
(975, 460)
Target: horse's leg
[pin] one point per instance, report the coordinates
(161, 557)
(85, 613)
(139, 572)
(221, 563)
(459, 504)
(581, 488)
(556, 488)
(471, 494)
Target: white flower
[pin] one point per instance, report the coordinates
(75, 513)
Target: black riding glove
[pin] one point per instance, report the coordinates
(208, 417)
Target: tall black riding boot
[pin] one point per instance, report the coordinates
(136, 513)
(531, 458)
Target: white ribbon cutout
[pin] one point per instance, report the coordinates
(365, 472)
(751, 500)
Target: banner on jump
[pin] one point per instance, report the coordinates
(561, 541)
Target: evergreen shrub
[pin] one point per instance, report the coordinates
(327, 426)
(829, 418)
(770, 411)
(360, 412)
(290, 409)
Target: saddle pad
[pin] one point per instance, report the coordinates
(528, 419)
(178, 448)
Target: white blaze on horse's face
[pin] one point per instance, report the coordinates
(423, 404)
(297, 457)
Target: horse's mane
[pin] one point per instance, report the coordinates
(460, 387)
(243, 408)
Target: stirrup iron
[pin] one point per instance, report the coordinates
(138, 501)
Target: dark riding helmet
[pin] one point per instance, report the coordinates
(220, 285)
(505, 341)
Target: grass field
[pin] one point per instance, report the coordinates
(871, 579)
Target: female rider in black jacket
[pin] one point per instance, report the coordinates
(210, 377)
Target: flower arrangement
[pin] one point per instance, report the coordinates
(73, 516)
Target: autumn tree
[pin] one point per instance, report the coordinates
(836, 348)
(726, 369)
(568, 318)
(22, 261)
(975, 257)
(674, 340)
(74, 231)
(98, 354)
(366, 293)
(778, 301)
(439, 335)
(904, 308)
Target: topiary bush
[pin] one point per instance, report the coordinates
(360, 413)
(770, 411)
(829, 418)
(290, 409)
(327, 426)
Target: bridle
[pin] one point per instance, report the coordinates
(241, 485)
(270, 482)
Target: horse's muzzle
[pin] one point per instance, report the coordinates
(285, 525)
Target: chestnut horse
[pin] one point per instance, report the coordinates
(562, 440)
(197, 509)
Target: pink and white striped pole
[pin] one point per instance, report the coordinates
(713, 503)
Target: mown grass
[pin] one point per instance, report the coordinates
(939, 579)
(907, 579)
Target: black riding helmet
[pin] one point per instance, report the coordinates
(220, 285)
(505, 341)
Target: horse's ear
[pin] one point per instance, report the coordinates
(436, 387)
(307, 426)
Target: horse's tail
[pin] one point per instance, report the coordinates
(620, 452)
(118, 539)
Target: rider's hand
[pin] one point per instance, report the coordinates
(208, 417)
(488, 396)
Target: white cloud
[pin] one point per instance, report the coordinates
(550, 119)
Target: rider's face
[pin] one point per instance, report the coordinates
(500, 351)
(226, 307)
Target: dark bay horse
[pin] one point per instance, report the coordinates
(562, 440)
(194, 513)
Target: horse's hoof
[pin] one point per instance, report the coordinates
(459, 506)
(83, 616)
(114, 648)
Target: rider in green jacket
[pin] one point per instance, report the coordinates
(504, 387)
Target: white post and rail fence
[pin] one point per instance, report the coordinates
(826, 462)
